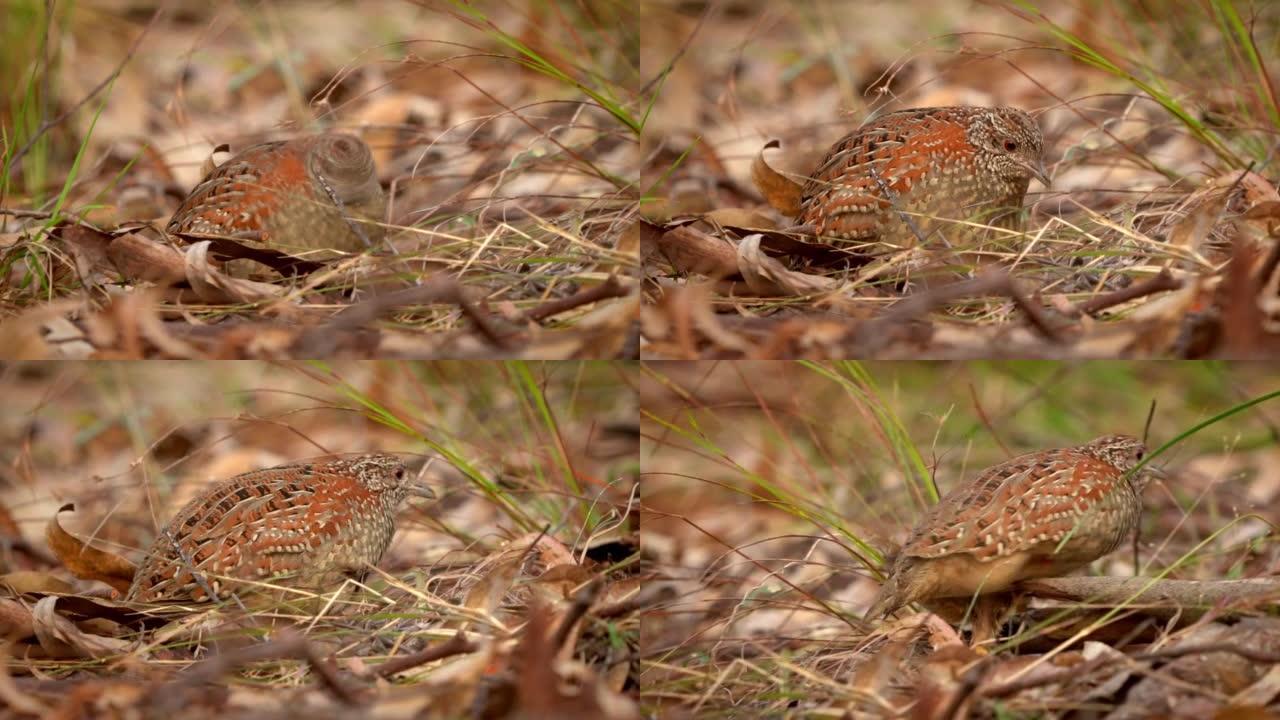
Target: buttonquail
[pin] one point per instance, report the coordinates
(308, 196)
(924, 171)
(305, 524)
(1041, 514)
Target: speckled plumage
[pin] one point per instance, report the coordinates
(303, 524)
(931, 165)
(309, 194)
(1041, 514)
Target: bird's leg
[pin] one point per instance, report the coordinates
(988, 615)
(985, 614)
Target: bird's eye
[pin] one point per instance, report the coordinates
(399, 473)
(1140, 454)
(1010, 145)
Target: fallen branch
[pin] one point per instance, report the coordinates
(1143, 593)
(456, 645)
(1076, 673)
(321, 341)
(610, 288)
(1164, 280)
(288, 645)
(922, 303)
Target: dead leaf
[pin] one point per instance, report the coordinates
(16, 622)
(703, 317)
(767, 276)
(43, 333)
(209, 165)
(1257, 189)
(781, 192)
(559, 582)
(1261, 693)
(386, 117)
(551, 551)
(138, 258)
(61, 638)
(86, 562)
(1267, 217)
(1269, 210)
(17, 700)
(88, 247)
(740, 218)
(693, 251)
(1195, 229)
(215, 287)
(1110, 684)
(486, 595)
(34, 581)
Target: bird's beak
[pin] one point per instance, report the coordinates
(1039, 172)
(1149, 473)
(418, 488)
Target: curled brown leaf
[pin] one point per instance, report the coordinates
(60, 637)
(781, 192)
(87, 562)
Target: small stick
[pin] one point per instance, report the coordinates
(456, 645)
(996, 283)
(287, 645)
(1164, 280)
(353, 317)
(582, 601)
(610, 288)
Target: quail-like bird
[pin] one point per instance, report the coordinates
(303, 525)
(1042, 514)
(307, 196)
(915, 173)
